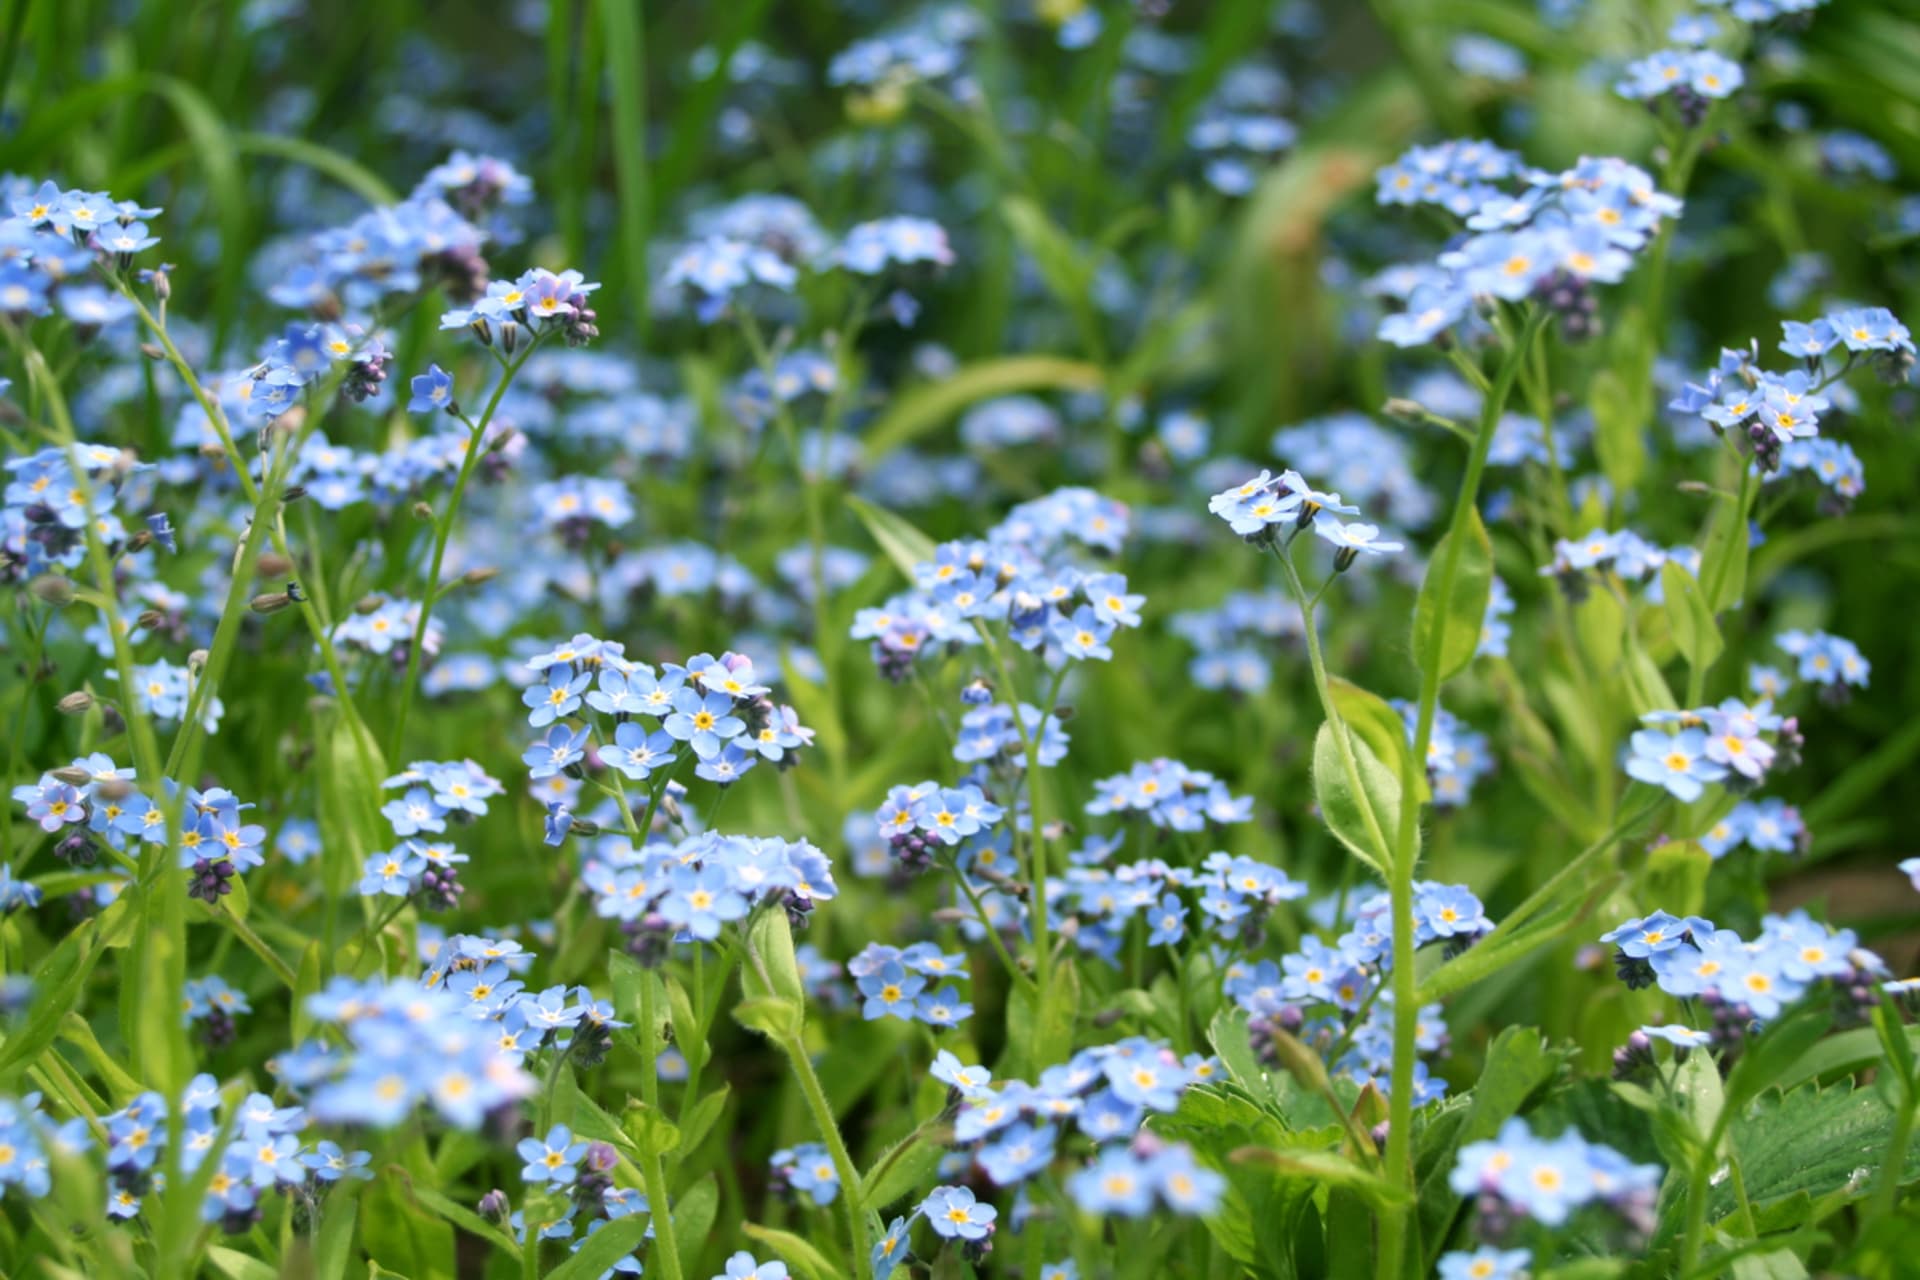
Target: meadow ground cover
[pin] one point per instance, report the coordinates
(830, 639)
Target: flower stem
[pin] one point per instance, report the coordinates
(1397, 1224)
(442, 534)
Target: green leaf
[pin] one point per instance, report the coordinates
(1364, 820)
(1724, 559)
(1447, 631)
(914, 413)
(806, 1261)
(701, 1117)
(908, 1165)
(1828, 1143)
(1369, 717)
(306, 983)
(905, 545)
(612, 1242)
(1040, 1023)
(1618, 431)
(629, 977)
(650, 1129)
(56, 984)
(1695, 633)
(333, 1248)
(693, 1218)
(459, 1215)
(239, 1266)
(1842, 1055)
(1676, 876)
(772, 1016)
(1328, 1168)
(1772, 1053)
(770, 968)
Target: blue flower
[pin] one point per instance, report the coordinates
(700, 901)
(703, 722)
(432, 391)
(1019, 1152)
(1676, 762)
(554, 1160)
(954, 1214)
(890, 991)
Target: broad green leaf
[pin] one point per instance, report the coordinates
(1842, 1055)
(1368, 716)
(770, 968)
(693, 1216)
(774, 1017)
(1695, 633)
(1040, 1023)
(914, 413)
(1447, 631)
(905, 545)
(239, 1266)
(1828, 1143)
(1773, 1052)
(1364, 818)
(1619, 440)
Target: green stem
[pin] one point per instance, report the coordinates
(652, 1174)
(1036, 815)
(442, 534)
(851, 1192)
(1406, 1010)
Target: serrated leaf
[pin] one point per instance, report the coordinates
(1363, 818)
(1447, 631)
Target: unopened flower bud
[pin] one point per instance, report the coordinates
(474, 577)
(72, 775)
(77, 703)
(421, 511)
(152, 352)
(53, 589)
(273, 565)
(270, 602)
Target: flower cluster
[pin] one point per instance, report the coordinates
(1235, 895)
(664, 892)
(912, 985)
(1741, 983)
(1554, 238)
(1170, 795)
(1682, 751)
(920, 821)
(1766, 411)
(1259, 509)
(1457, 757)
(1517, 1177)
